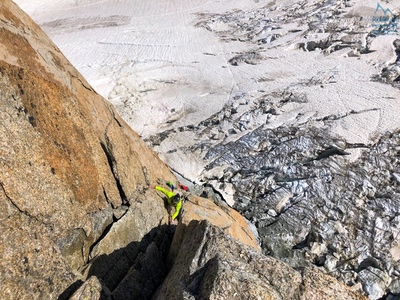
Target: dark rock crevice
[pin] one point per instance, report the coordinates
(200, 283)
(112, 112)
(105, 195)
(86, 86)
(103, 234)
(112, 163)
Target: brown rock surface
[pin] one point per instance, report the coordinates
(92, 289)
(221, 215)
(68, 162)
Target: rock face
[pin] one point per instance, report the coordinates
(210, 265)
(71, 169)
(77, 218)
(220, 215)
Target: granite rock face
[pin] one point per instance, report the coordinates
(71, 168)
(74, 197)
(220, 215)
(137, 270)
(211, 265)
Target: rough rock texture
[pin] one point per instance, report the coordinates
(138, 269)
(71, 169)
(73, 181)
(291, 106)
(220, 215)
(92, 289)
(211, 265)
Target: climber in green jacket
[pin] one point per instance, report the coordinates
(172, 199)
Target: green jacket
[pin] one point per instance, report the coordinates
(169, 195)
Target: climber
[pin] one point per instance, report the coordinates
(172, 200)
